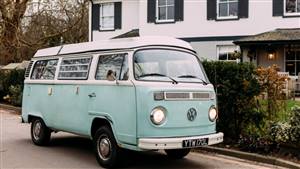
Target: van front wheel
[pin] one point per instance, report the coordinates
(40, 133)
(177, 153)
(106, 148)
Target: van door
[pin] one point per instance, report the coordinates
(113, 97)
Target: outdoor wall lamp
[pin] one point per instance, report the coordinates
(271, 54)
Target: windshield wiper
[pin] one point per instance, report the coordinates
(157, 74)
(194, 77)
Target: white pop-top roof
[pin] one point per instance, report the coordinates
(113, 44)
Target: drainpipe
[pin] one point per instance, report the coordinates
(90, 20)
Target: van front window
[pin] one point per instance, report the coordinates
(168, 65)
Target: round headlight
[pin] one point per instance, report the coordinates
(158, 116)
(212, 114)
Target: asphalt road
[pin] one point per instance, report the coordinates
(70, 151)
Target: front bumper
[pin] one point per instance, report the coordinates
(176, 142)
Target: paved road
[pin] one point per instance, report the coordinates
(70, 151)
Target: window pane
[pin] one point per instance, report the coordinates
(171, 12)
(290, 55)
(290, 6)
(170, 2)
(290, 67)
(298, 55)
(162, 13)
(74, 68)
(222, 56)
(297, 68)
(108, 9)
(107, 16)
(44, 70)
(233, 9)
(162, 2)
(125, 69)
(109, 66)
(223, 8)
(108, 22)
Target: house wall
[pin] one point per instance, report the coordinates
(208, 49)
(195, 24)
(130, 20)
(263, 60)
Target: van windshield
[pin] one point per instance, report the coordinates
(168, 65)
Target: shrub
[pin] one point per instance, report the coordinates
(11, 86)
(272, 85)
(236, 86)
(295, 125)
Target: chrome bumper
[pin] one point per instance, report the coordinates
(176, 142)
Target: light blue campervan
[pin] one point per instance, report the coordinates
(146, 93)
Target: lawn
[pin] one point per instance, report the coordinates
(283, 114)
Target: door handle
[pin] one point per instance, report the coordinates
(92, 95)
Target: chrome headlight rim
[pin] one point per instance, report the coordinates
(213, 108)
(157, 110)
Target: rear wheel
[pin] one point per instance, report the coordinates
(40, 133)
(177, 153)
(107, 151)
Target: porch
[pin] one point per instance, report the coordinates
(280, 47)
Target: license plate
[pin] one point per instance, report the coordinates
(194, 143)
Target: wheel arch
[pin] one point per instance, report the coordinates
(99, 122)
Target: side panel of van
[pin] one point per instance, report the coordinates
(71, 102)
(38, 101)
(117, 103)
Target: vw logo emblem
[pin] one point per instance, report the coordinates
(191, 114)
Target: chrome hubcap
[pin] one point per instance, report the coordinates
(37, 130)
(104, 148)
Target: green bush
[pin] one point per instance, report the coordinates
(295, 125)
(11, 86)
(236, 86)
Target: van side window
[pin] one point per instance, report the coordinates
(111, 67)
(71, 69)
(44, 70)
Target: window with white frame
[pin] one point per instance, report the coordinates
(227, 52)
(227, 9)
(165, 11)
(292, 61)
(107, 16)
(292, 7)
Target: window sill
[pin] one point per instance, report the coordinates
(287, 15)
(106, 29)
(164, 21)
(229, 18)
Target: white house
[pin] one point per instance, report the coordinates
(211, 26)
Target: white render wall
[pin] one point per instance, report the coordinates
(130, 19)
(208, 49)
(195, 22)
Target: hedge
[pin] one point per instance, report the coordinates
(11, 86)
(236, 86)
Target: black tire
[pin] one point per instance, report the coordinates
(177, 153)
(40, 133)
(107, 158)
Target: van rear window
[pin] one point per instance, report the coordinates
(74, 68)
(44, 70)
